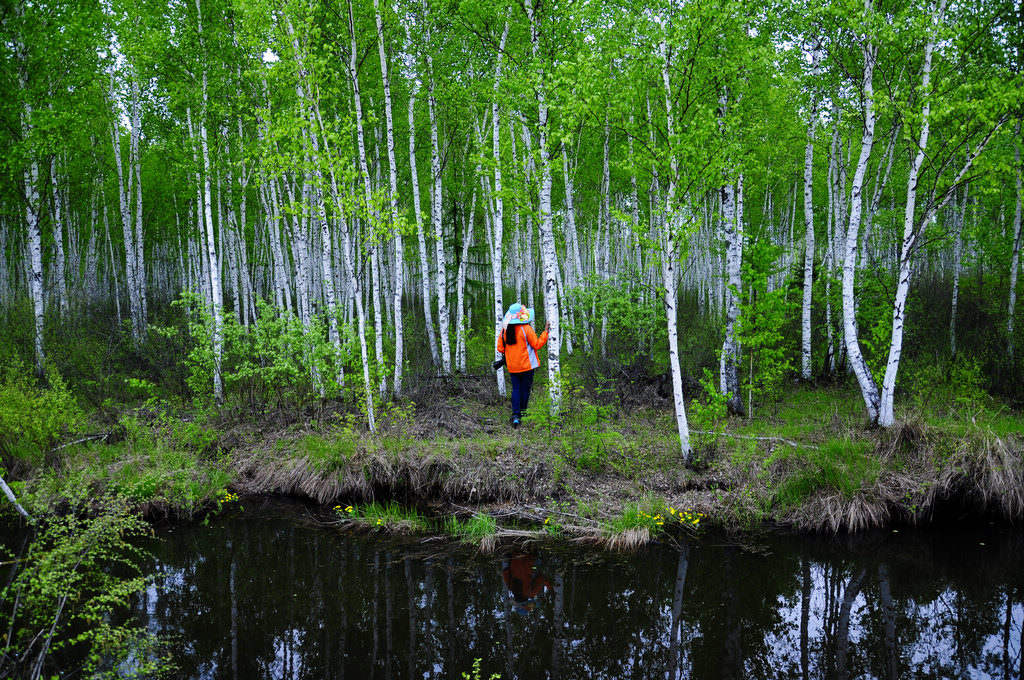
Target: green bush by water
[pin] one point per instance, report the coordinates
(78, 569)
(33, 417)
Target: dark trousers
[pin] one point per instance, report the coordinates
(521, 384)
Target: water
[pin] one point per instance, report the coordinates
(266, 593)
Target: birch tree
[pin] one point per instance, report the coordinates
(805, 314)
(546, 227)
(672, 222)
(399, 281)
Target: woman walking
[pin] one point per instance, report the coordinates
(519, 343)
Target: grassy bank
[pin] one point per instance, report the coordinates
(597, 473)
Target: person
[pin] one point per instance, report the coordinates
(519, 343)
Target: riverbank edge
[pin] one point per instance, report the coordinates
(621, 492)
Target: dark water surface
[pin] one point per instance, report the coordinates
(265, 593)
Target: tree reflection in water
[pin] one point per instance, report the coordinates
(257, 597)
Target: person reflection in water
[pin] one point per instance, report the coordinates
(524, 582)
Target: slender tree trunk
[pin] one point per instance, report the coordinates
(547, 235)
(428, 313)
(805, 315)
(131, 269)
(1014, 256)
(498, 218)
(59, 285)
(436, 209)
(139, 241)
(732, 230)
(885, 416)
(35, 239)
(211, 249)
(868, 386)
(958, 229)
(607, 219)
(668, 263)
(399, 251)
(368, 194)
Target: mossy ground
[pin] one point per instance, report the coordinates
(808, 461)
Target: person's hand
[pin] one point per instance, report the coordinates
(547, 325)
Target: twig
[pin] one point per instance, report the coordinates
(790, 442)
(80, 441)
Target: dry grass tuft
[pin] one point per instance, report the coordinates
(408, 474)
(990, 477)
(624, 541)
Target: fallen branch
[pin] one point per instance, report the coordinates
(789, 442)
(90, 438)
(10, 496)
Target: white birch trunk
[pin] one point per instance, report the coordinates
(35, 236)
(135, 158)
(59, 285)
(668, 274)
(436, 208)
(128, 232)
(215, 287)
(958, 230)
(868, 386)
(428, 313)
(497, 220)
(368, 194)
(910, 233)
(1015, 254)
(399, 251)
(546, 227)
(805, 315)
(606, 213)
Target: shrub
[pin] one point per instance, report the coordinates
(58, 601)
(33, 417)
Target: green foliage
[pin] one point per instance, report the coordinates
(76, 572)
(956, 386)
(477, 674)
(276, 362)
(649, 514)
(709, 413)
(33, 417)
(874, 316)
(473, 530)
(764, 317)
(328, 453)
(159, 465)
(842, 466)
(634, 322)
(390, 517)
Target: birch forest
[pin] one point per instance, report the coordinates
(256, 203)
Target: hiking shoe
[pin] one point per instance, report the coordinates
(515, 422)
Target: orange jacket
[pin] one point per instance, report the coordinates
(522, 356)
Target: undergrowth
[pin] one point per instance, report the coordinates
(844, 466)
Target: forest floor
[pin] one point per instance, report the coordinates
(599, 473)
